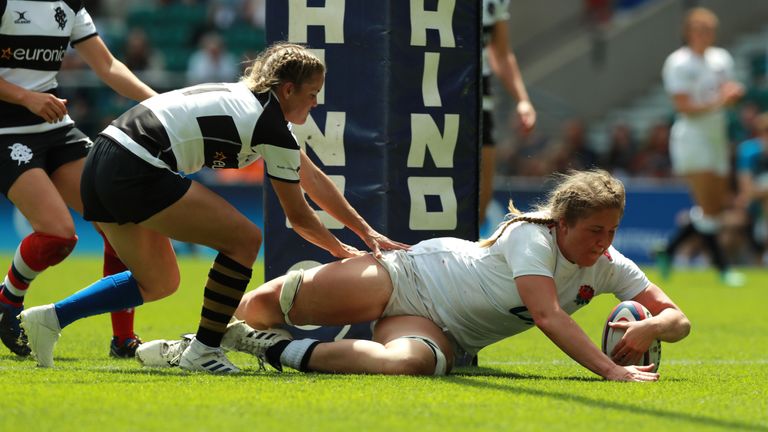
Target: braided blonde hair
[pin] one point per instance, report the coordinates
(577, 195)
(281, 62)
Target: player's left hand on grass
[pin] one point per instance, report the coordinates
(378, 242)
(640, 373)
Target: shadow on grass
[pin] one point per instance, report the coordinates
(494, 373)
(465, 378)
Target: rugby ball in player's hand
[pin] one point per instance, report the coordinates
(624, 312)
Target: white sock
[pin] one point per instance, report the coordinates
(296, 354)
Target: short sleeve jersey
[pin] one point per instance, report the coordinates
(700, 77)
(34, 35)
(222, 125)
(473, 292)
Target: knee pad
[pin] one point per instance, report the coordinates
(41, 251)
(441, 363)
(703, 223)
(291, 286)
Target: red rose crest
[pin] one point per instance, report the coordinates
(585, 294)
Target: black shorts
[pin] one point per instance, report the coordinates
(119, 187)
(46, 150)
(487, 120)
(488, 140)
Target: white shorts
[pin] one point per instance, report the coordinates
(407, 295)
(695, 149)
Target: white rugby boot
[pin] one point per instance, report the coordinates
(162, 353)
(244, 338)
(200, 357)
(41, 325)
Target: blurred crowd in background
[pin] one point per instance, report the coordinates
(174, 43)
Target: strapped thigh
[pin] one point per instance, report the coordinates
(291, 286)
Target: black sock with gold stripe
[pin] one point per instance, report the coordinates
(227, 282)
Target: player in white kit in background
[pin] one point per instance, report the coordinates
(700, 79)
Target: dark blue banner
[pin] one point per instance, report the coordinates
(397, 126)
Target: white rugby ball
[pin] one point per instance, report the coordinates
(627, 311)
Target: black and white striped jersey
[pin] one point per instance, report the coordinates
(34, 35)
(494, 11)
(218, 125)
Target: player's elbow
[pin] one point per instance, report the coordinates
(545, 320)
(684, 327)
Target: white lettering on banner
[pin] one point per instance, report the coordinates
(320, 53)
(421, 219)
(328, 147)
(429, 91)
(441, 20)
(425, 134)
(330, 16)
(325, 218)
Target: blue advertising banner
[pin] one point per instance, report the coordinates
(397, 126)
(649, 217)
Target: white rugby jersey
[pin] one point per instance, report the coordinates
(700, 77)
(473, 292)
(218, 125)
(34, 35)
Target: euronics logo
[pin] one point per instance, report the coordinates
(34, 54)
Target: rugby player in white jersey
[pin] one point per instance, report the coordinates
(699, 77)
(42, 152)
(447, 296)
(134, 186)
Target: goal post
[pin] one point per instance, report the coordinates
(397, 126)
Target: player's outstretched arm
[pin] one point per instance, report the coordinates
(306, 223)
(540, 297)
(321, 189)
(505, 66)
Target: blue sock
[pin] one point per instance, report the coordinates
(115, 292)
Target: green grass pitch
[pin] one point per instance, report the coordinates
(715, 380)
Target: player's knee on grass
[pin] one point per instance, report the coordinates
(417, 362)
